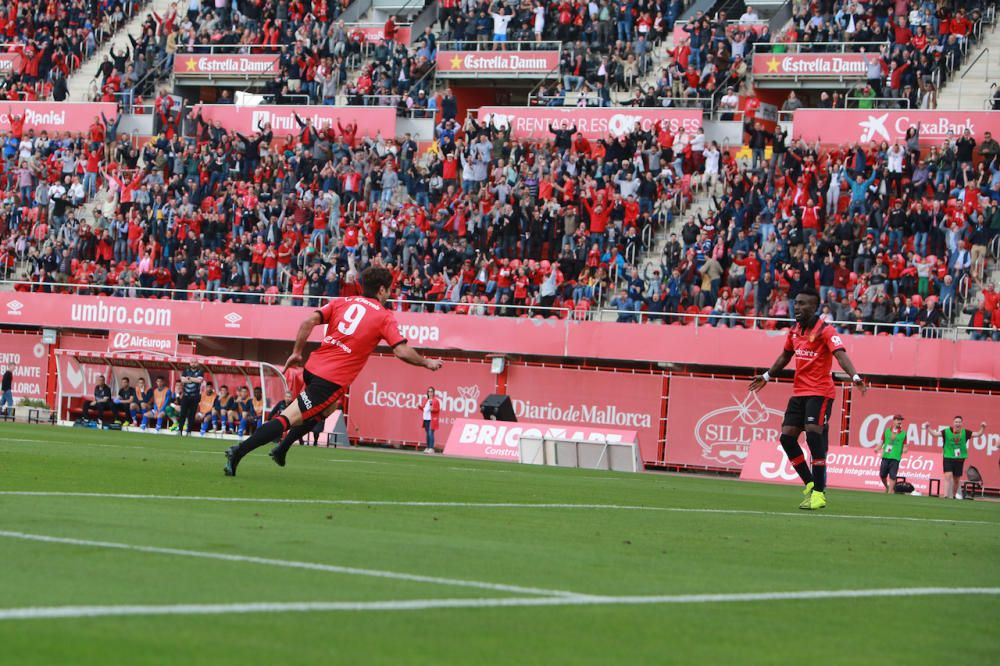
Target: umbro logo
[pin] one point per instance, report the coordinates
(233, 320)
(14, 308)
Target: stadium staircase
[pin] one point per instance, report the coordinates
(652, 259)
(79, 82)
(972, 88)
(416, 13)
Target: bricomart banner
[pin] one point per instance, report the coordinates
(500, 440)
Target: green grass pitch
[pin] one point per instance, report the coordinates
(99, 566)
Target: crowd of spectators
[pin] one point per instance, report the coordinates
(911, 46)
(483, 223)
(892, 236)
(46, 41)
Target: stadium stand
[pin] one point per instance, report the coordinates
(896, 238)
(46, 42)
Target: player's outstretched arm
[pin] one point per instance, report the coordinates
(845, 362)
(760, 381)
(305, 330)
(404, 352)
(982, 429)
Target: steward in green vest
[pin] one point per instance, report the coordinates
(893, 445)
(955, 449)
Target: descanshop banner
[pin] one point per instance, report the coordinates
(387, 397)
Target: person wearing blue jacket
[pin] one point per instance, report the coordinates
(859, 191)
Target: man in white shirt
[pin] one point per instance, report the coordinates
(894, 163)
(76, 192)
(501, 20)
(749, 16)
(729, 103)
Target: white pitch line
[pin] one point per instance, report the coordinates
(289, 564)
(56, 612)
(140, 447)
(488, 505)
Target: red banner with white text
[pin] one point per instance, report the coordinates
(712, 421)
(849, 467)
(871, 414)
(375, 34)
(77, 380)
(227, 65)
(496, 62)
(589, 398)
(371, 120)
(386, 397)
(55, 117)
(500, 440)
(809, 65)
(28, 360)
(877, 125)
(10, 63)
(142, 342)
(894, 356)
(534, 122)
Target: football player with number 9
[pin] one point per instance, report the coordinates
(814, 344)
(354, 327)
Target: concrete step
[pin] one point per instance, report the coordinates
(969, 89)
(79, 83)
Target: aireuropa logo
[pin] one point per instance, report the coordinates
(420, 334)
(14, 308)
(871, 433)
(124, 340)
(724, 434)
(233, 320)
(463, 403)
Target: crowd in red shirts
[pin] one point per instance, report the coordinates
(482, 223)
(42, 42)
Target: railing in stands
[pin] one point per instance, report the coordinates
(572, 99)
(472, 45)
(482, 309)
(306, 100)
(961, 79)
(854, 102)
(794, 48)
(230, 49)
(396, 101)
